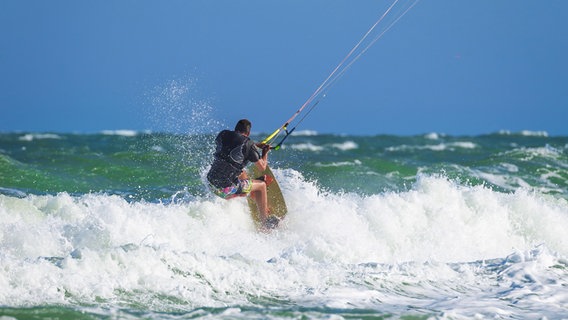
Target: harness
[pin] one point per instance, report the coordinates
(229, 159)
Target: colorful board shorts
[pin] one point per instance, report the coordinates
(243, 188)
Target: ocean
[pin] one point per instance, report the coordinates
(120, 225)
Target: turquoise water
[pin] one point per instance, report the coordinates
(120, 225)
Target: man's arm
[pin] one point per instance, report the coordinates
(262, 163)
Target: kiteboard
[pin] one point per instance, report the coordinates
(276, 202)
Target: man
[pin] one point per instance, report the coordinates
(227, 176)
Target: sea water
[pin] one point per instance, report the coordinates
(120, 225)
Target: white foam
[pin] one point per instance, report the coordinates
(355, 162)
(345, 146)
(527, 133)
(464, 144)
(534, 133)
(158, 148)
(432, 136)
(124, 133)
(389, 250)
(307, 147)
(39, 136)
(304, 133)
(451, 146)
(510, 167)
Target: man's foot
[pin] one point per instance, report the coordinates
(266, 178)
(271, 222)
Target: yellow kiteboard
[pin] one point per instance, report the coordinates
(276, 202)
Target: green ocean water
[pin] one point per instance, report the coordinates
(119, 225)
(156, 166)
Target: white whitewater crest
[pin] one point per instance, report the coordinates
(527, 133)
(122, 132)
(451, 146)
(39, 136)
(441, 247)
(304, 133)
(308, 146)
(339, 164)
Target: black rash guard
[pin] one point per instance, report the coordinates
(233, 152)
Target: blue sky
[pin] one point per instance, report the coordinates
(448, 66)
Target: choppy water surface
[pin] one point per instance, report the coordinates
(120, 225)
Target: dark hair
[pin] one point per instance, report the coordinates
(243, 126)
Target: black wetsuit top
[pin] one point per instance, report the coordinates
(234, 151)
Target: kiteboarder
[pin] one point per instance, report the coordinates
(227, 176)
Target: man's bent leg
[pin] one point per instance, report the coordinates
(258, 193)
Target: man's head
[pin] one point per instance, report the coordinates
(243, 126)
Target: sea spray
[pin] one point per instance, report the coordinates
(177, 106)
